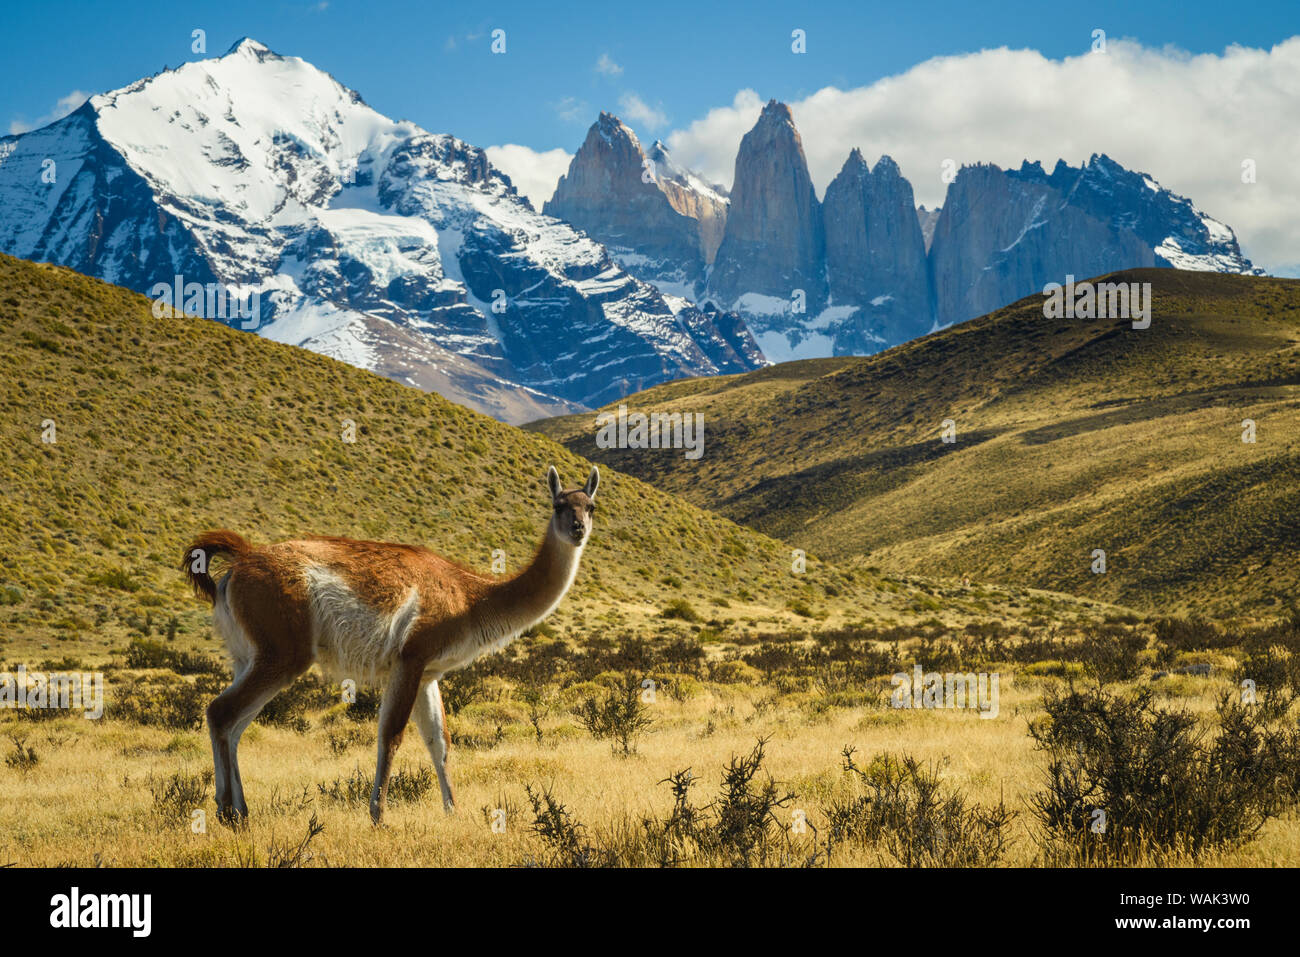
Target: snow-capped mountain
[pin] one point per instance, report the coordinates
(364, 238)
(1180, 234)
(660, 222)
(1003, 234)
(863, 268)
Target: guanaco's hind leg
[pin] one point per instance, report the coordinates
(229, 715)
(431, 719)
(220, 749)
(394, 713)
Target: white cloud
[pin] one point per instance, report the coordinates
(62, 108)
(638, 112)
(533, 173)
(572, 110)
(1188, 120)
(607, 66)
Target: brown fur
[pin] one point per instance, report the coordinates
(266, 591)
(207, 546)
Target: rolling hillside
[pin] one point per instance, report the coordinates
(1071, 435)
(164, 427)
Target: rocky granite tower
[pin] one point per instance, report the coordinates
(1001, 236)
(875, 257)
(656, 219)
(773, 242)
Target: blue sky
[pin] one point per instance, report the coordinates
(1186, 91)
(430, 62)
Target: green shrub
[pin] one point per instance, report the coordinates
(742, 827)
(1110, 654)
(288, 709)
(172, 702)
(23, 757)
(404, 786)
(906, 812)
(1276, 674)
(619, 715)
(1127, 779)
(144, 653)
(176, 796)
(680, 609)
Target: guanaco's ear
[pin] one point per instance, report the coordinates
(553, 481)
(593, 480)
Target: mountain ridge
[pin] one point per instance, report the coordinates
(863, 268)
(1069, 435)
(259, 171)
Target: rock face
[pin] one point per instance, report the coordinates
(927, 219)
(613, 193)
(690, 195)
(366, 239)
(774, 243)
(875, 257)
(1181, 235)
(1002, 236)
(859, 256)
(875, 270)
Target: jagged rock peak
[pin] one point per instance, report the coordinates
(609, 124)
(674, 220)
(875, 257)
(855, 160)
(660, 154)
(886, 165)
(776, 112)
(665, 168)
(856, 163)
(773, 242)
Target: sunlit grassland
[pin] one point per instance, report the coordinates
(169, 426)
(87, 801)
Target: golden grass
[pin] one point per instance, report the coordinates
(87, 802)
(169, 426)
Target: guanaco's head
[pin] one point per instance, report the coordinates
(571, 520)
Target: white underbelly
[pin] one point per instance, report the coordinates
(351, 639)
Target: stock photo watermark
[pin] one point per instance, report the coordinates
(1104, 300)
(655, 430)
(951, 690)
(61, 691)
(213, 300)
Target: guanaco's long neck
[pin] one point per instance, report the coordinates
(510, 606)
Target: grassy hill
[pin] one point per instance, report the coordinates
(1072, 435)
(165, 427)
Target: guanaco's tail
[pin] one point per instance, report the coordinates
(198, 558)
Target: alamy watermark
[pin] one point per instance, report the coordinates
(1105, 300)
(954, 690)
(656, 430)
(61, 691)
(211, 300)
(74, 909)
